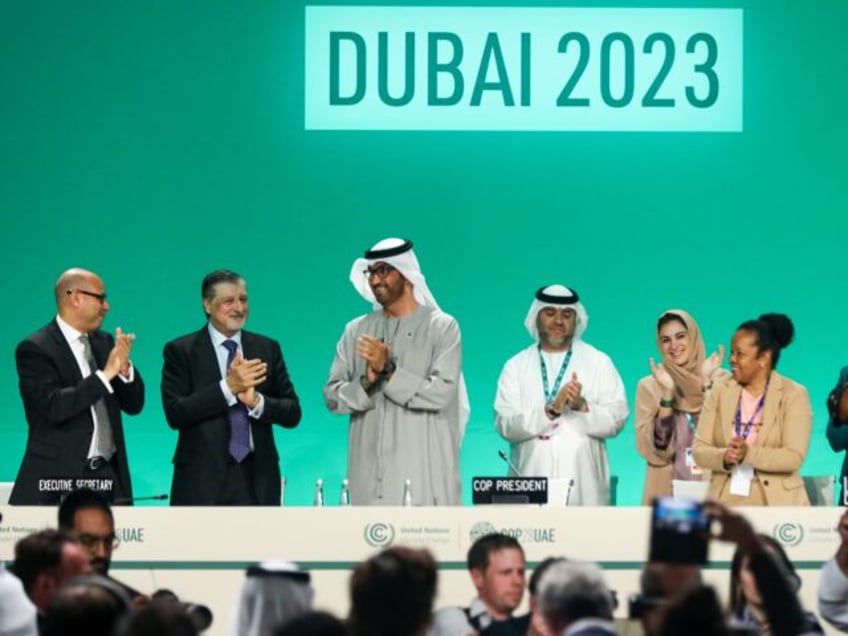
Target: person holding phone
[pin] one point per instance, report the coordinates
(669, 401)
(754, 429)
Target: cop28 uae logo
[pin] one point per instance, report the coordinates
(379, 535)
(789, 534)
(481, 529)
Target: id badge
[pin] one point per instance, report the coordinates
(690, 463)
(740, 480)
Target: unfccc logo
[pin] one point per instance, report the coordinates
(379, 535)
(789, 533)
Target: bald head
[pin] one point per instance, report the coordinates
(81, 299)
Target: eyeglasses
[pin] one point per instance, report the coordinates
(100, 297)
(380, 271)
(91, 541)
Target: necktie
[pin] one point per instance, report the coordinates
(104, 445)
(239, 425)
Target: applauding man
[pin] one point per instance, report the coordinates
(560, 398)
(75, 380)
(222, 389)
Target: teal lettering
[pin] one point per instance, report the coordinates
(525, 69)
(450, 67)
(336, 98)
(492, 50)
(383, 70)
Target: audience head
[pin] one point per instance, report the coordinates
(659, 585)
(273, 592)
(744, 592)
(91, 605)
(537, 620)
(312, 623)
(159, 618)
(45, 560)
(393, 593)
(756, 346)
(696, 612)
(496, 565)
(86, 513)
(571, 591)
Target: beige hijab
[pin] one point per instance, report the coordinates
(688, 384)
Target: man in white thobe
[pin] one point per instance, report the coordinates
(559, 399)
(397, 373)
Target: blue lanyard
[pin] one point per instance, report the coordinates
(737, 421)
(550, 395)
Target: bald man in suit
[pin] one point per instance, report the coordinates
(75, 380)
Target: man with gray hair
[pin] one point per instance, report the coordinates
(224, 389)
(397, 373)
(575, 600)
(559, 399)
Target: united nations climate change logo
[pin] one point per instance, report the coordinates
(789, 534)
(379, 535)
(481, 529)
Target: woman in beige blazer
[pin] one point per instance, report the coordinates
(755, 426)
(668, 402)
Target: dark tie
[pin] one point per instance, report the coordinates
(239, 424)
(104, 444)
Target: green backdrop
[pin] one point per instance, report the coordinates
(154, 141)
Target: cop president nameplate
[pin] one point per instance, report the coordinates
(509, 490)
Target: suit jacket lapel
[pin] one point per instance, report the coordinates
(248, 345)
(729, 401)
(774, 396)
(207, 358)
(64, 356)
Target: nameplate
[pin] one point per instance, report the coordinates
(509, 490)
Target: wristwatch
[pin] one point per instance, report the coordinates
(388, 369)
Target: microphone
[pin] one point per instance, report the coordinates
(568, 492)
(125, 500)
(503, 456)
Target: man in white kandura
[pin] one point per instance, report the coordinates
(397, 373)
(559, 399)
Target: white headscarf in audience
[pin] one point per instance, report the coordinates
(274, 592)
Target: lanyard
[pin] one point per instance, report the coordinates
(737, 421)
(691, 422)
(551, 394)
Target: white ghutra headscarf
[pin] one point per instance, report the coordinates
(556, 296)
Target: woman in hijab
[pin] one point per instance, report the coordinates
(755, 426)
(669, 401)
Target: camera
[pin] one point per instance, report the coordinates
(639, 604)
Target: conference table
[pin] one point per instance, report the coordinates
(201, 553)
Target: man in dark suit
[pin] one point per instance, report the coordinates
(222, 389)
(75, 380)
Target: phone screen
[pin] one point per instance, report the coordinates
(680, 531)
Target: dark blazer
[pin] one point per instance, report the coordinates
(196, 407)
(57, 401)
